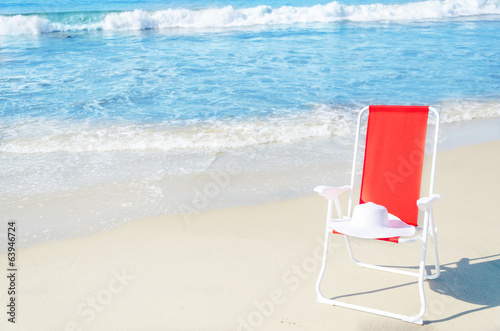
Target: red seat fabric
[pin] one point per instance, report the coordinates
(394, 154)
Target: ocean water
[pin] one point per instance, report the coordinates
(116, 110)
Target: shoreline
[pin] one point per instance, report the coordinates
(235, 178)
(254, 267)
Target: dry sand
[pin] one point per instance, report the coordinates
(255, 267)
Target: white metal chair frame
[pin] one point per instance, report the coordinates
(425, 204)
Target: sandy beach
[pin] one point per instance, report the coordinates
(255, 267)
(158, 161)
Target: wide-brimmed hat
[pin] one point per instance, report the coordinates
(370, 221)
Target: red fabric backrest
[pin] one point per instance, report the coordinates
(394, 155)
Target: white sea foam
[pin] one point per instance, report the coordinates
(322, 121)
(229, 17)
(20, 24)
(210, 136)
(457, 111)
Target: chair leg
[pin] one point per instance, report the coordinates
(434, 236)
(417, 319)
(323, 268)
(421, 271)
(349, 249)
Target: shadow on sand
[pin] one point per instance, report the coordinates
(475, 283)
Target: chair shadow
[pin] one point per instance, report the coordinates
(475, 283)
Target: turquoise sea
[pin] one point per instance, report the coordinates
(116, 110)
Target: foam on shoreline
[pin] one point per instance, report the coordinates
(320, 121)
(73, 195)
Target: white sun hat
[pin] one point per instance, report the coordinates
(372, 221)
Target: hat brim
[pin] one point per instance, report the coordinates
(397, 228)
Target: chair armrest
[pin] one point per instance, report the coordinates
(331, 193)
(426, 203)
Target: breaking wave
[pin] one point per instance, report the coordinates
(229, 17)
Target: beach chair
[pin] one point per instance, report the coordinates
(390, 194)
